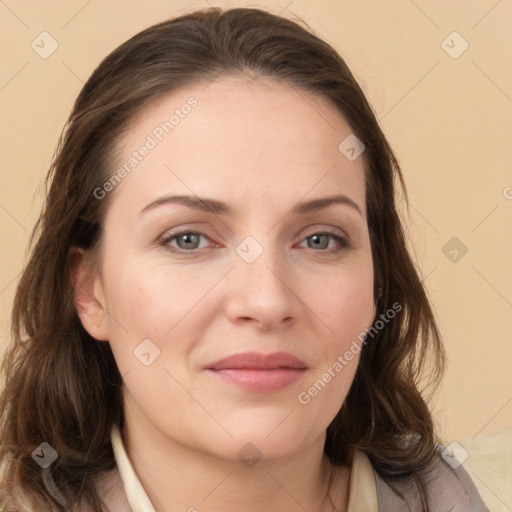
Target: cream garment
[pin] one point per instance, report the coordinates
(362, 492)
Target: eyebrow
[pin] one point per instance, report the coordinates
(220, 208)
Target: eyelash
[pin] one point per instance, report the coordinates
(343, 242)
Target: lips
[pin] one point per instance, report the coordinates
(259, 373)
(256, 361)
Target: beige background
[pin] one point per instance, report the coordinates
(449, 121)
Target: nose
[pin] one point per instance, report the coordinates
(263, 292)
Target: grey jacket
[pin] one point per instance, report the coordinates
(448, 490)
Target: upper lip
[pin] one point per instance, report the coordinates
(257, 361)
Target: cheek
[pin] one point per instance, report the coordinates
(344, 308)
(343, 303)
(151, 298)
(151, 301)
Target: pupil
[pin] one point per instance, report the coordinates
(188, 238)
(316, 239)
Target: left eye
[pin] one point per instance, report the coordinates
(187, 241)
(318, 239)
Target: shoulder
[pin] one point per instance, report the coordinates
(448, 486)
(109, 487)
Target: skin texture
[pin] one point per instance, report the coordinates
(260, 146)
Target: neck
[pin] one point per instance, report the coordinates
(177, 477)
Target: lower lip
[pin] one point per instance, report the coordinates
(262, 381)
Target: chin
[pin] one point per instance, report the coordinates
(257, 444)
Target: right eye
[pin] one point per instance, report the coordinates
(186, 241)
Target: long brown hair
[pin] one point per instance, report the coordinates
(63, 387)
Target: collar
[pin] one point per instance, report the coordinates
(135, 493)
(362, 490)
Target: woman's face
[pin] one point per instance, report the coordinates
(256, 273)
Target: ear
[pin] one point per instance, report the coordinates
(88, 293)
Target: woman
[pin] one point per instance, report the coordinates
(181, 339)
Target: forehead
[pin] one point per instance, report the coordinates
(238, 138)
